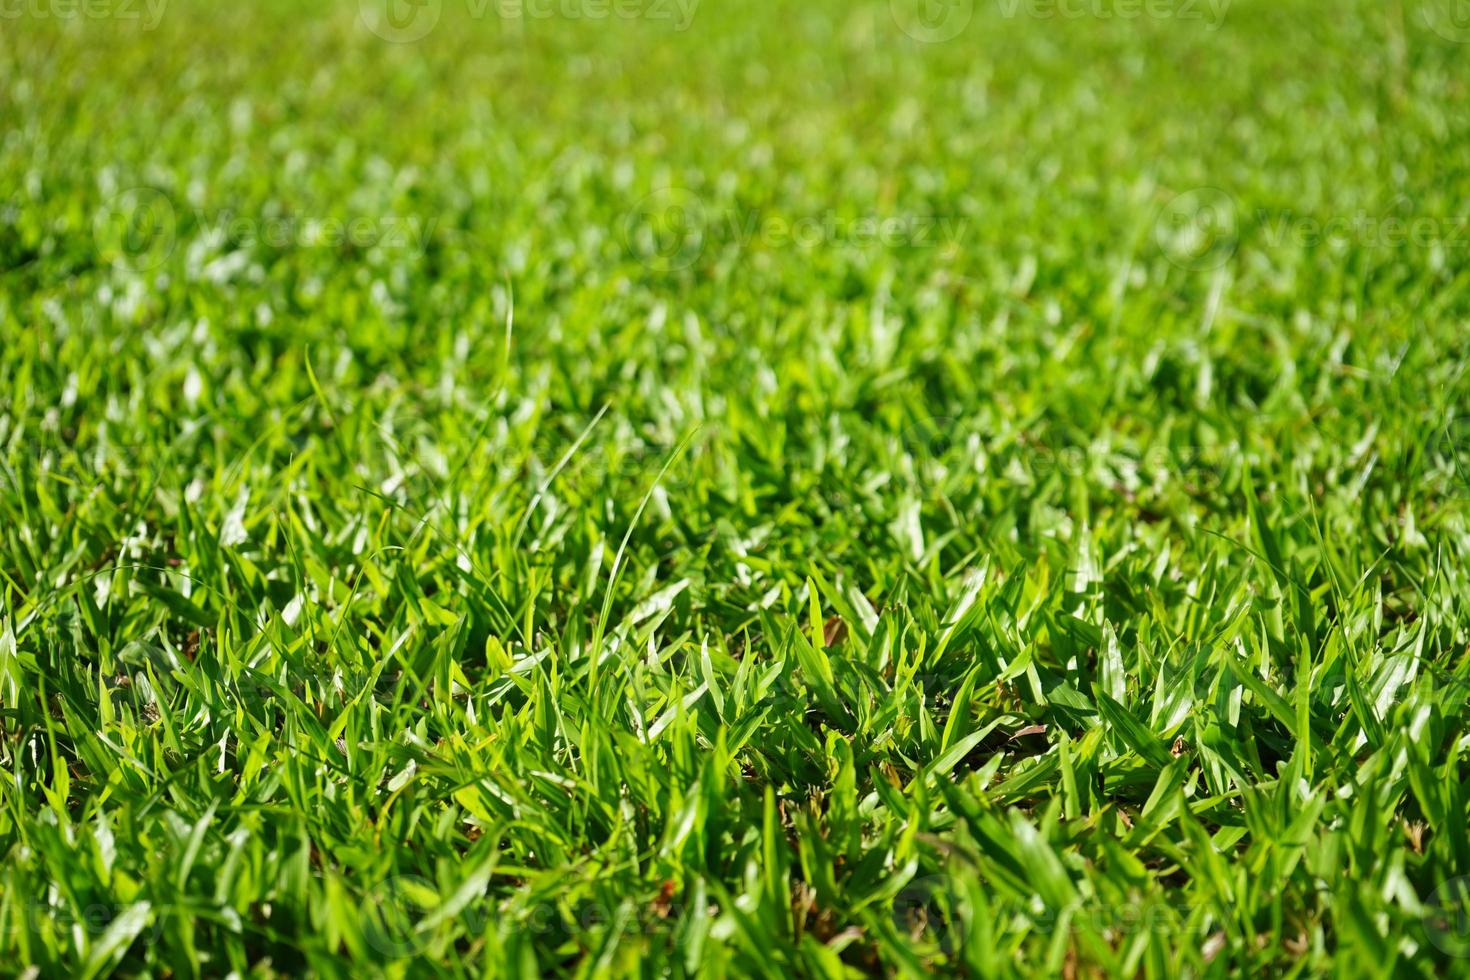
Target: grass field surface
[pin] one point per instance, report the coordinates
(686, 487)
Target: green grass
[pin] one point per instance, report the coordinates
(756, 491)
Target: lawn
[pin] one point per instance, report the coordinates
(690, 487)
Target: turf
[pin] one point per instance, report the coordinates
(804, 489)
